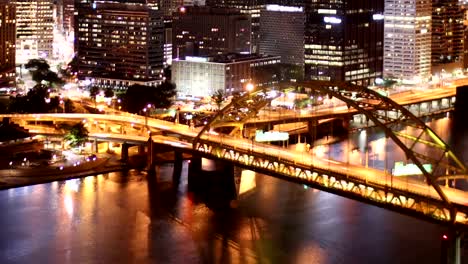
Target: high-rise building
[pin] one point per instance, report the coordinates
(170, 6)
(344, 40)
(34, 29)
(119, 44)
(249, 7)
(7, 44)
(447, 35)
(204, 31)
(407, 51)
(282, 33)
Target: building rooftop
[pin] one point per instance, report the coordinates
(228, 58)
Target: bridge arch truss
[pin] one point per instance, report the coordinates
(421, 146)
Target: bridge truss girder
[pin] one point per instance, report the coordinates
(361, 189)
(391, 117)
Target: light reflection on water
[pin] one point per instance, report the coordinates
(134, 218)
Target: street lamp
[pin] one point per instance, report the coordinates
(250, 87)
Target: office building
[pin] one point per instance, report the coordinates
(204, 31)
(407, 51)
(34, 29)
(202, 76)
(344, 40)
(282, 33)
(119, 44)
(7, 44)
(249, 7)
(447, 35)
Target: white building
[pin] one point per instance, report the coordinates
(34, 29)
(202, 76)
(407, 40)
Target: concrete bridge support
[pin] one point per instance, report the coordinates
(178, 163)
(312, 127)
(451, 248)
(124, 154)
(141, 149)
(194, 171)
(216, 184)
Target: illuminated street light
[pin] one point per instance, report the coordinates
(249, 87)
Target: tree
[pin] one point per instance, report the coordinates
(218, 97)
(138, 96)
(40, 71)
(108, 92)
(76, 135)
(164, 94)
(93, 92)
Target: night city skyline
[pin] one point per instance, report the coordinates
(233, 131)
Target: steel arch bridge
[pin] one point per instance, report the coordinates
(381, 110)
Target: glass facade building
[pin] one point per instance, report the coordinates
(119, 44)
(344, 40)
(7, 44)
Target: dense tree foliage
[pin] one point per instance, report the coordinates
(218, 98)
(138, 97)
(76, 135)
(40, 72)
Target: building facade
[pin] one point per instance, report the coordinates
(407, 51)
(248, 7)
(344, 40)
(282, 33)
(7, 44)
(34, 29)
(447, 35)
(202, 76)
(119, 44)
(204, 31)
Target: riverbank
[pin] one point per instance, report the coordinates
(18, 177)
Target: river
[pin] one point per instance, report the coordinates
(136, 218)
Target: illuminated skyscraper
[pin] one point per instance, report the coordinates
(204, 31)
(282, 33)
(250, 7)
(119, 44)
(34, 29)
(407, 51)
(7, 44)
(344, 40)
(447, 34)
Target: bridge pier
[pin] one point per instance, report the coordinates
(451, 248)
(96, 146)
(178, 163)
(194, 171)
(141, 149)
(213, 180)
(312, 127)
(124, 154)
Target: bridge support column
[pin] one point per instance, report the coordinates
(194, 171)
(451, 248)
(178, 162)
(312, 129)
(96, 146)
(124, 155)
(141, 149)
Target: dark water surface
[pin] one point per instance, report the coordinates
(135, 218)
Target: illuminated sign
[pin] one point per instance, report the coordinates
(378, 17)
(402, 169)
(261, 136)
(327, 11)
(196, 59)
(280, 8)
(332, 20)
